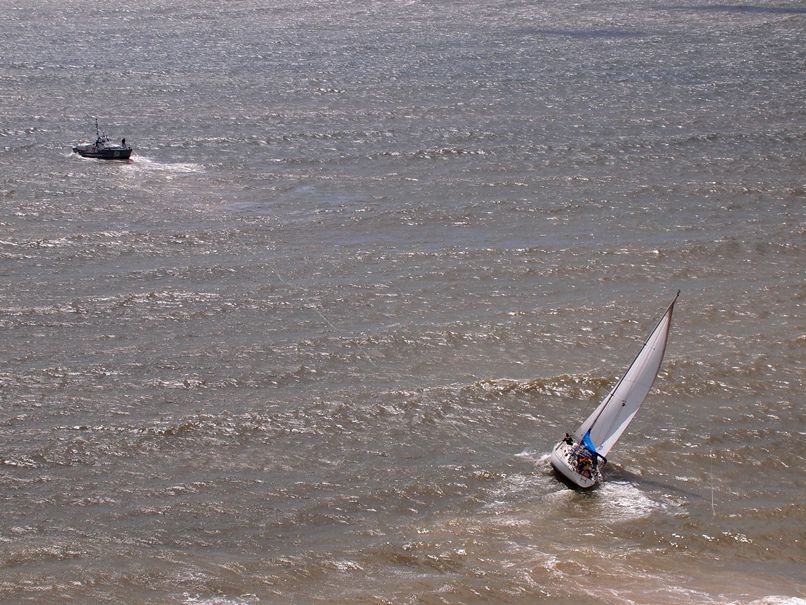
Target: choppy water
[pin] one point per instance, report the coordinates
(314, 343)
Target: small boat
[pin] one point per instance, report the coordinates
(579, 457)
(103, 148)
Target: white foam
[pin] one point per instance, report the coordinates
(346, 566)
(774, 600)
(620, 501)
(534, 456)
(147, 164)
(246, 599)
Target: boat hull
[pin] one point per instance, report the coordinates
(562, 461)
(104, 154)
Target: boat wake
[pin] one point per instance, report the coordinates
(146, 164)
(537, 457)
(219, 600)
(624, 502)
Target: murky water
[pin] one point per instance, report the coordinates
(367, 264)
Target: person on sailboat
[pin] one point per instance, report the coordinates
(589, 447)
(585, 465)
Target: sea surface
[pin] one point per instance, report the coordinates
(369, 261)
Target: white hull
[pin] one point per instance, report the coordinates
(561, 460)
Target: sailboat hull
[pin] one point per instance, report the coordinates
(563, 463)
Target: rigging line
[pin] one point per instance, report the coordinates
(316, 308)
(322, 315)
(711, 472)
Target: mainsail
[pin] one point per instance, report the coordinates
(610, 419)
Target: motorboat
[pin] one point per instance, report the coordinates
(103, 148)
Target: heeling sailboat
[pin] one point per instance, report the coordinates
(577, 456)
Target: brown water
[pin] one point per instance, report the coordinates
(314, 343)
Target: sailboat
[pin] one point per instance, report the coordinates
(579, 457)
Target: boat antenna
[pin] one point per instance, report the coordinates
(711, 473)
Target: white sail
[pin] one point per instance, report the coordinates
(611, 417)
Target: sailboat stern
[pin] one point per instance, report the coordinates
(565, 461)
